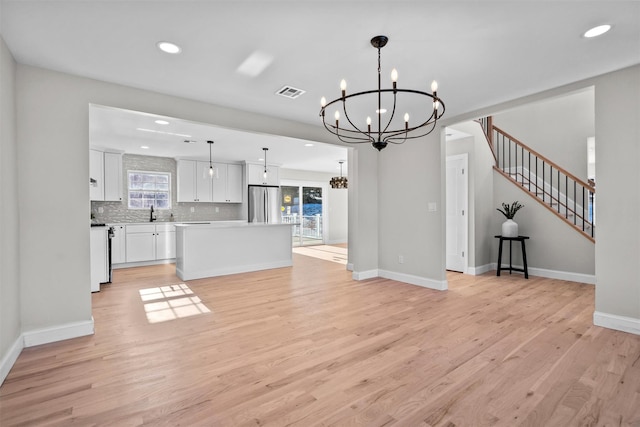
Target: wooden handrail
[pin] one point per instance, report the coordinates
(546, 160)
(546, 205)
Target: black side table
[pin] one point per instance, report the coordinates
(520, 239)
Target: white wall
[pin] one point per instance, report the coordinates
(557, 128)
(410, 177)
(10, 327)
(618, 230)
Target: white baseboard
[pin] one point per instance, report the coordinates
(476, 271)
(42, 336)
(350, 266)
(401, 277)
(439, 285)
(10, 358)
(553, 274)
(363, 275)
(58, 333)
(619, 323)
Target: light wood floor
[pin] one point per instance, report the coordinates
(308, 346)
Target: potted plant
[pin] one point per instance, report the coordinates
(510, 227)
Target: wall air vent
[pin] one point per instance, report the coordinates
(290, 92)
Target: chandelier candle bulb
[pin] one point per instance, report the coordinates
(343, 87)
(323, 102)
(368, 124)
(434, 87)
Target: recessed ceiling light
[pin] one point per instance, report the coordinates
(144, 147)
(597, 31)
(162, 122)
(308, 145)
(169, 47)
(381, 111)
(261, 159)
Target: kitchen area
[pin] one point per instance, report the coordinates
(190, 205)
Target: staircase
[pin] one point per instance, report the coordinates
(567, 196)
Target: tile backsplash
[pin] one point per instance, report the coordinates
(118, 212)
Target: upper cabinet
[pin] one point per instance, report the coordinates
(195, 184)
(112, 177)
(105, 176)
(255, 175)
(96, 175)
(227, 183)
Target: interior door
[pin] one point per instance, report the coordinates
(456, 183)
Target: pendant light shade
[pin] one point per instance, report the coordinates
(264, 175)
(339, 181)
(212, 171)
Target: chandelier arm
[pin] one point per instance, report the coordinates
(355, 139)
(393, 113)
(392, 139)
(357, 129)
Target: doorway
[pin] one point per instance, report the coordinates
(303, 207)
(457, 212)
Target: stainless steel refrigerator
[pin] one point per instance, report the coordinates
(265, 204)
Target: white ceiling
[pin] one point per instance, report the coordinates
(129, 131)
(481, 52)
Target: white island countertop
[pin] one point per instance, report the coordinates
(230, 247)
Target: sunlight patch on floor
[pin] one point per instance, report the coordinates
(171, 302)
(325, 252)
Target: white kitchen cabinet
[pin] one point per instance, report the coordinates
(194, 181)
(118, 245)
(150, 242)
(105, 176)
(255, 175)
(141, 243)
(96, 175)
(113, 177)
(98, 256)
(165, 241)
(227, 183)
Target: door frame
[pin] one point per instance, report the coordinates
(465, 191)
(325, 200)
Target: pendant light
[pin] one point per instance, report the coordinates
(264, 175)
(211, 170)
(339, 181)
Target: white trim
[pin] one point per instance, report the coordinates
(363, 275)
(619, 323)
(553, 274)
(350, 266)
(58, 333)
(10, 358)
(439, 285)
(465, 245)
(476, 271)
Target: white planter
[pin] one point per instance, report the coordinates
(509, 228)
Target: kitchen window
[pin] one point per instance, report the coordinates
(148, 189)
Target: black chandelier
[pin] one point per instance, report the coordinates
(384, 134)
(339, 181)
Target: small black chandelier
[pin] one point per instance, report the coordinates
(339, 181)
(384, 134)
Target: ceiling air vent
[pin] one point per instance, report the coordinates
(290, 92)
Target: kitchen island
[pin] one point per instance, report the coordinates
(217, 249)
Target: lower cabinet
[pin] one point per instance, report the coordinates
(150, 242)
(118, 245)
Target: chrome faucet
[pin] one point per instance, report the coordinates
(151, 217)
